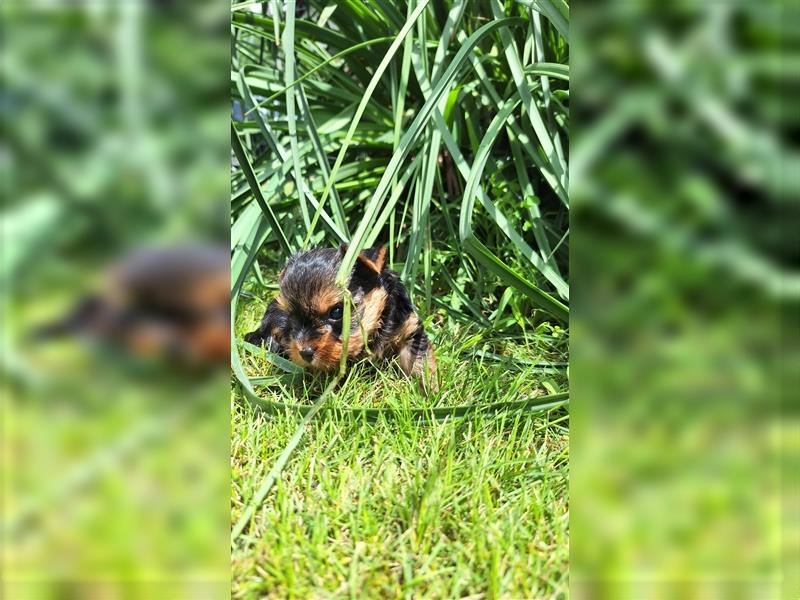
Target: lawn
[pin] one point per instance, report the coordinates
(440, 130)
(472, 506)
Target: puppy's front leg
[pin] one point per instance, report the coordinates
(416, 359)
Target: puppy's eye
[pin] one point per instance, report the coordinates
(336, 313)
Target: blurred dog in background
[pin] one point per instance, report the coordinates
(168, 303)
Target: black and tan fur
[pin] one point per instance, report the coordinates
(304, 323)
(170, 303)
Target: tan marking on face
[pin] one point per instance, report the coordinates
(294, 356)
(370, 310)
(326, 300)
(328, 353)
(408, 361)
(355, 345)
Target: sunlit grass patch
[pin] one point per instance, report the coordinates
(440, 130)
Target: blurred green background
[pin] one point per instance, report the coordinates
(684, 330)
(684, 440)
(115, 477)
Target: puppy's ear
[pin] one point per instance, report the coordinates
(366, 272)
(373, 258)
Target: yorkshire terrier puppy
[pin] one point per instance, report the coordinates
(304, 323)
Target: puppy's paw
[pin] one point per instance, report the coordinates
(421, 366)
(268, 342)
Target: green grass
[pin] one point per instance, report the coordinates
(394, 509)
(439, 129)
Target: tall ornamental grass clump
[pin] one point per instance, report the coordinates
(439, 128)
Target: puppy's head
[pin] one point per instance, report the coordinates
(315, 305)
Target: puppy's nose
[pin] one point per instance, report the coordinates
(307, 354)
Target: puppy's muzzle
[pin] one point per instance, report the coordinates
(307, 354)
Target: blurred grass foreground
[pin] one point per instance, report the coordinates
(115, 477)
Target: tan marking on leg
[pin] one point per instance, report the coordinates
(405, 331)
(407, 360)
(370, 310)
(415, 365)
